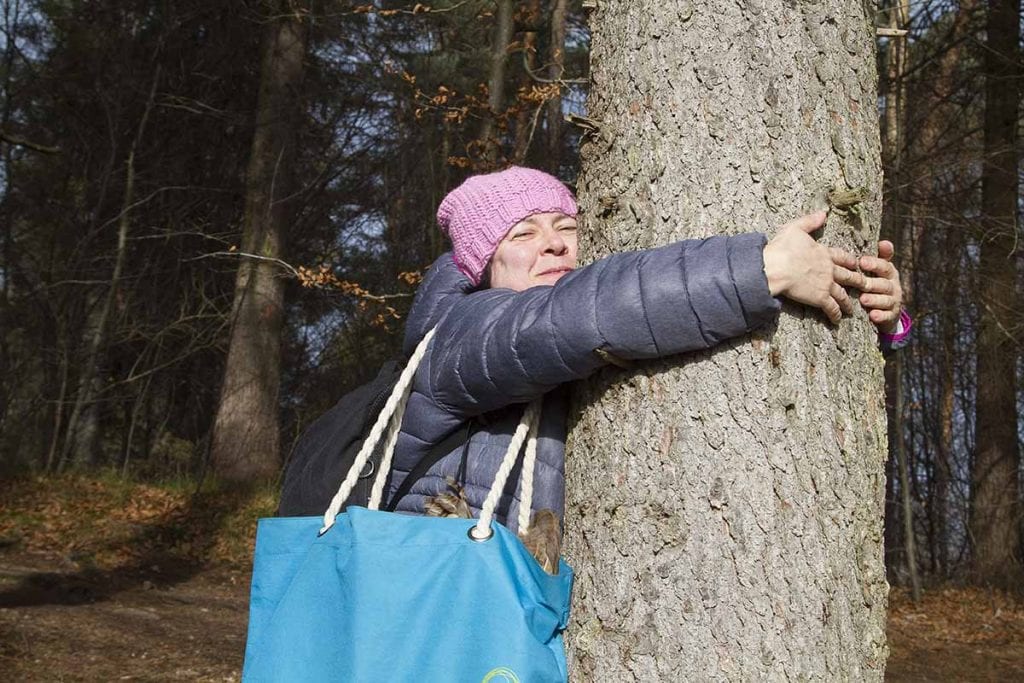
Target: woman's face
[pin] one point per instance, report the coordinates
(538, 250)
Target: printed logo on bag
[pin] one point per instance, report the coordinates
(501, 675)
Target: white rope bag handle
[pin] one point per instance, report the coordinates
(391, 418)
(394, 407)
(526, 479)
(526, 431)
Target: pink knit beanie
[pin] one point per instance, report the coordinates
(479, 213)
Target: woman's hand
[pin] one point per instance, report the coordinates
(882, 295)
(800, 269)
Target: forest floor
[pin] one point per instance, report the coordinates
(102, 580)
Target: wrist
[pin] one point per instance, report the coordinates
(773, 270)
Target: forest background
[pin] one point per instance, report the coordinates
(160, 160)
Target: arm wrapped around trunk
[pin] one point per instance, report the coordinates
(497, 347)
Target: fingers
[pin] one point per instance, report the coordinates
(842, 298)
(815, 275)
(886, 250)
(881, 296)
(808, 223)
(831, 308)
(878, 266)
(849, 278)
(879, 301)
(879, 317)
(843, 258)
(877, 285)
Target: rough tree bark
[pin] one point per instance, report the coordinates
(724, 509)
(995, 522)
(245, 439)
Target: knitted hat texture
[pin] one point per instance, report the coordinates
(479, 213)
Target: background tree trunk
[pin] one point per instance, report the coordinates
(893, 228)
(556, 71)
(503, 30)
(995, 501)
(83, 430)
(245, 434)
(525, 119)
(936, 248)
(898, 451)
(724, 510)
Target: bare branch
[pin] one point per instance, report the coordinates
(142, 201)
(241, 254)
(418, 8)
(12, 139)
(540, 79)
(309, 279)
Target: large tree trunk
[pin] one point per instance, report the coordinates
(995, 502)
(245, 433)
(724, 510)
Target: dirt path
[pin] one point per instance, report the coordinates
(188, 624)
(956, 634)
(941, 661)
(76, 627)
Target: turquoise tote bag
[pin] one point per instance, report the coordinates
(379, 596)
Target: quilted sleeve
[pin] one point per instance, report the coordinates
(500, 347)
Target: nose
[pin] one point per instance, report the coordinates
(555, 244)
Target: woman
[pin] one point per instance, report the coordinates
(516, 320)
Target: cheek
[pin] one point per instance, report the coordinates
(572, 244)
(511, 267)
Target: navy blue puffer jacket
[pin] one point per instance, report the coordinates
(497, 349)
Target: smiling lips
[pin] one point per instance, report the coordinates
(561, 270)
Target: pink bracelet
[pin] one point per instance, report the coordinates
(906, 323)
